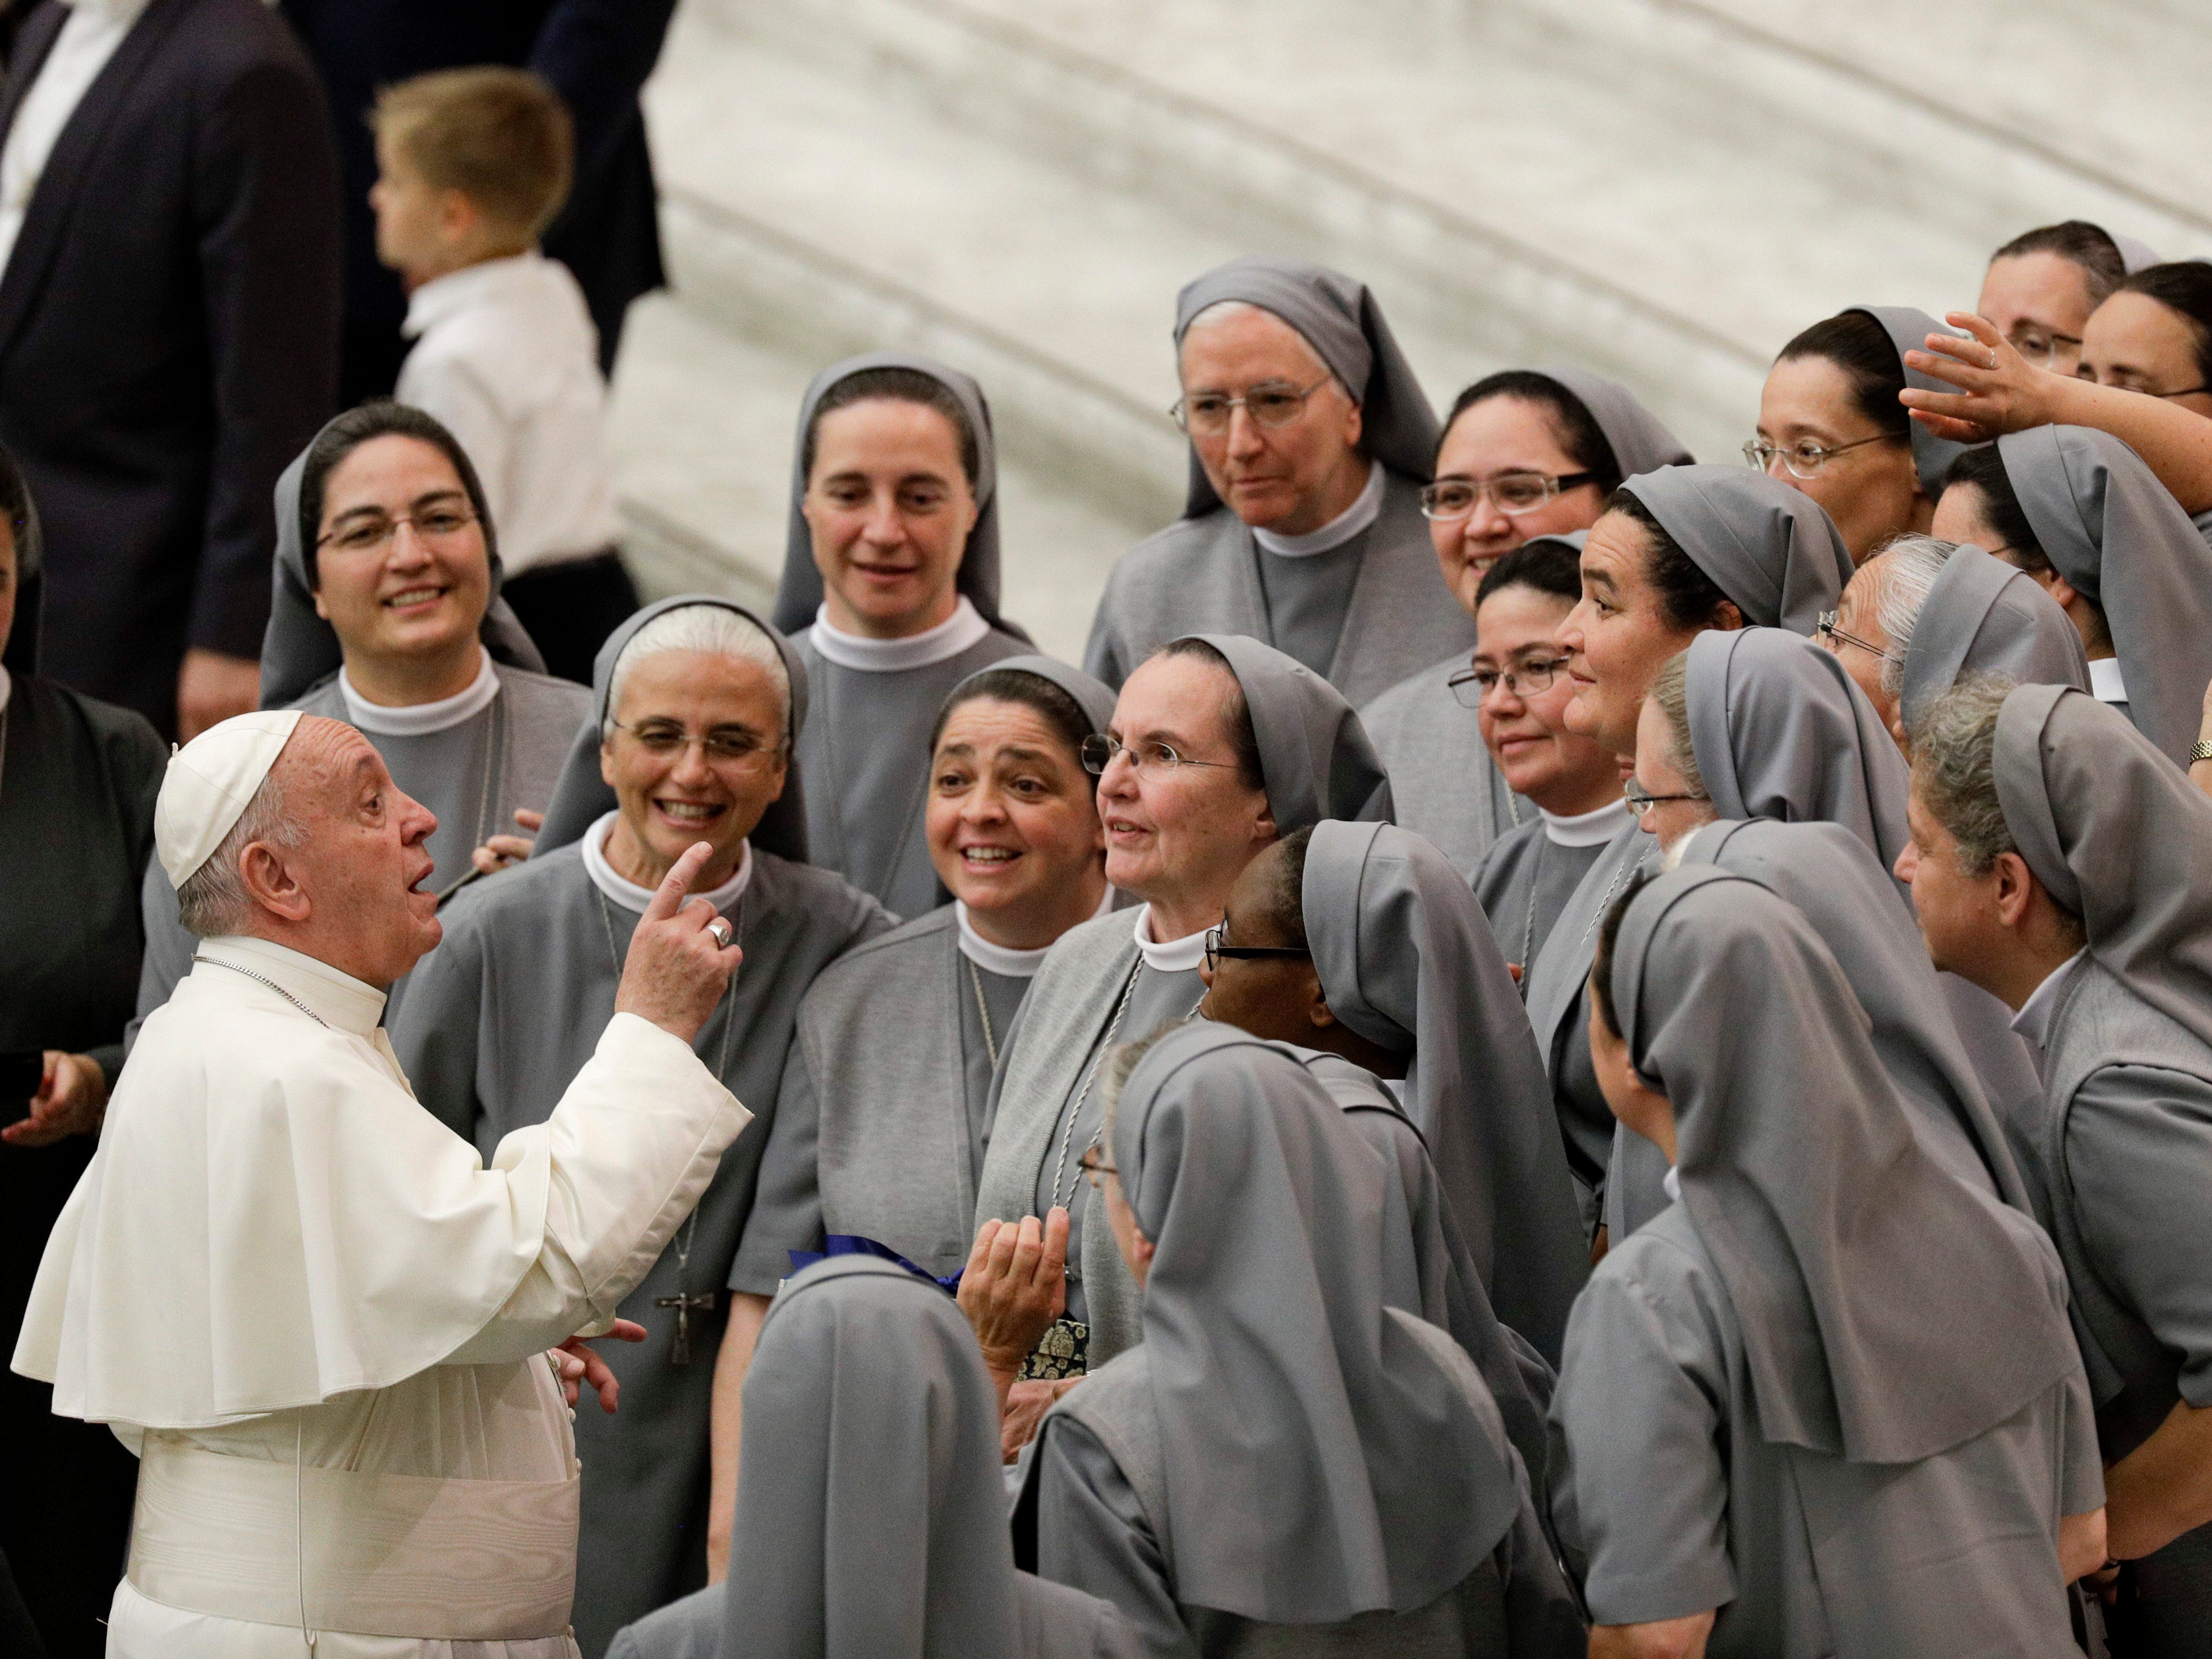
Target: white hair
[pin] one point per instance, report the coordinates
(1910, 566)
(1226, 311)
(213, 901)
(712, 631)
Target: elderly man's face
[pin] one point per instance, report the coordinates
(1857, 639)
(394, 592)
(697, 753)
(361, 865)
(1291, 478)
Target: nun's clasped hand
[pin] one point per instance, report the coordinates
(1014, 1286)
(1999, 390)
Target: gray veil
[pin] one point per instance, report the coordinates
(1092, 696)
(1770, 548)
(1888, 1311)
(581, 798)
(1314, 755)
(1908, 328)
(1340, 320)
(1407, 960)
(1325, 1454)
(1639, 440)
(1986, 616)
(2117, 533)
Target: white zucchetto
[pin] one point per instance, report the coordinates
(210, 782)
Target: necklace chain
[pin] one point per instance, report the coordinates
(268, 982)
(983, 1009)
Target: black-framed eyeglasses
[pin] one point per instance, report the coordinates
(740, 749)
(360, 535)
(1642, 800)
(1804, 459)
(1098, 751)
(1510, 492)
(1272, 403)
(1826, 628)
(2186, 392)
(1216, 953)
(1471, 686)
(1095, 1168)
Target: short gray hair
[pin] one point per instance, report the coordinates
(712, 631)
(1225, 311)
(1909, 566)
(213, 901)
(1670, 691)
(1954, 768)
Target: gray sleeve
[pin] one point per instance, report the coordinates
(169, 948)
(1092, 1533)
(786, 1212)
(436, 1028)
(2138, 1141)
(1640, 1408)
(1102, 653)
(689, 1629)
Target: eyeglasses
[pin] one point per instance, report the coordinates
(1216, 953)
(739, 750)
(1098, 751)
(1510, 492)
(2186, 392)
(1094, 1167)
(2039, 347)
(1533, 675)
(1642, 800)
(1272, 403)
(431, 522)
(1804, 459)
(1828, 629)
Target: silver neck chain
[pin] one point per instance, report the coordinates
(270, 983)
(983, 1012)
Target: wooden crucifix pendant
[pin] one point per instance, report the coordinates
(679, 1348)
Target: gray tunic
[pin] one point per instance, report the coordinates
(1443, 781)
(500, 1018)
(1203, 575)
(1663, 1474)
(1524, 882)
(1307, 598)
(865, 750)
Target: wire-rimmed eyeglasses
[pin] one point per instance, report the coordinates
(1803, 459)
(1510, 492)
(1271, 403)
(1098, 751)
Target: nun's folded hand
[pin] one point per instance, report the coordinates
(1999, 390)
(500, 851)
(1014, 1286)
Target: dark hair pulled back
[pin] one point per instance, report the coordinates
(904, 385)
(2185, 287)
(1544, 564)
(1982, 468)
(1688, 597)
(1058, 711)
(1572, 424)
(2087, 247)
(380, 418)
(1855, 342)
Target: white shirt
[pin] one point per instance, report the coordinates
(962, 629)
(1366, 508)
(506, 355)
(1587, 828)
(419, 720)
(94, 29)
(1004, 959)
(1175, 955)
(2035, 1015)
(2106, 684)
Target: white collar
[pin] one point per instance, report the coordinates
(2106, 684)
(964, 629)
(418, 720)
(1175, 955)
(339, 1001)
(631, 897)
(1587, 828)
(1671, 1181)
(2035, 1015)
(7, 687)
(1005, 959)
(1364, 511)
(456, 290)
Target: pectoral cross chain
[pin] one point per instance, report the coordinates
(679, 1350)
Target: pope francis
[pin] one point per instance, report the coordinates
(343, 1349)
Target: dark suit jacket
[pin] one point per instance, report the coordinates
(595, 53)
(168, 337)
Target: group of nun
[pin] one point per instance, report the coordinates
(1479, 974)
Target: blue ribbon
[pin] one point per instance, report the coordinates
(854, 1244)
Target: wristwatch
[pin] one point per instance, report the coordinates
(2202, 752)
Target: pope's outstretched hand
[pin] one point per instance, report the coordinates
(681, 956)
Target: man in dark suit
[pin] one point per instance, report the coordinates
(595, 53)
(169, 331)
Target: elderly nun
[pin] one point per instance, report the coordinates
(1218, 746)
(387, 615)
(871, 1515)
(2079, 511)
(1310, 442)
(891, 595)
(1527, 454)
(2059, 862)
(1678, 553)
(699, 703)
(1288, 1462)
(1827, 1401)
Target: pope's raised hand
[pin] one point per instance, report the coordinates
(681, 956)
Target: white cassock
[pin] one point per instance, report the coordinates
(321, 1321)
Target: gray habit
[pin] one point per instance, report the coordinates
(2121, 839)
(1407, 960)
(1524, 882)
(1832, 1391)
(1984, 615)
(870, 1515)
(2113, 531)
(1908, 328)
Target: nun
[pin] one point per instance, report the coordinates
(1310, 442)
(2154, 334)
(386, 614)
(2059, 861)
(2079, 512)
(1830, 424)
(1827, 1401)
(1677, 553)
(881, 1117)
(699, 704)
(891, 594)
(1527, 453)
(871, 1515)
(1288, 1462)
(2042, 285)
(1218, 746)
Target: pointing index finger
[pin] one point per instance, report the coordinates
(668, 897)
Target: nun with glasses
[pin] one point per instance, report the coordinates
(1219, 746)
(872, 1515)
(1527, 453)
(1289, 1462)
(699, 703)
(1310, 442)
(387, 615)
(890, 596)
(2041, 287)
(1677, 553)
(2059, 862)
(1827, 1401)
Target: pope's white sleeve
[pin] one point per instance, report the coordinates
(631, 1148)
